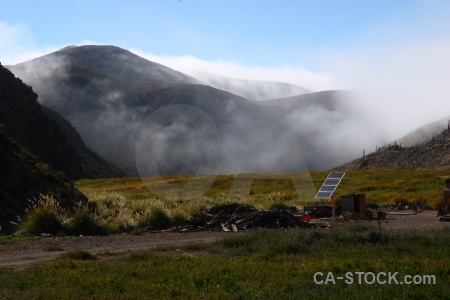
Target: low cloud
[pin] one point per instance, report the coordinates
(405, 86)
(196, 67)
(17, 44)
(403, 74)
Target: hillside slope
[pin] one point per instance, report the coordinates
(24, 120)
(92, 164)
(255, 90)
(110, 61)
(424, 133)
(434, 154)
(27, 172)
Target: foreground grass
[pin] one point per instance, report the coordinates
(265, 264)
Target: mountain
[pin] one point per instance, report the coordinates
(25, 121)
(255, 90)
(154, 120)
(32, 150)
(110, 61)
(433, 154)
(330, 126)
(92, 164)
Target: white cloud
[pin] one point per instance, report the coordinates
(194, 66)
(407, 80)
(17, 44)
(406, 86)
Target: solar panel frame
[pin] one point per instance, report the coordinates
(329, 185)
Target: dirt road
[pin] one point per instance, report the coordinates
(21, 254)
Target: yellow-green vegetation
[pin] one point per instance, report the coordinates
(265, 264)
(127, 200)
(127, 204)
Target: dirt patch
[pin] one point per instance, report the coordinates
(20, 254)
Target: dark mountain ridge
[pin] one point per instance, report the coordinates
(24, 120)
(41, 166)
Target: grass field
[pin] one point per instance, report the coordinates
(265, 264)
(125, 200)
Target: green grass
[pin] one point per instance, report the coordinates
(126, 204)
(125, 200)
(266, 264)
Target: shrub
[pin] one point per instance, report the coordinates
(158, 218)
(399, 200)
(84, 222)
(279, 205)
(178, 219)
(79, 255)
(42, 220)
(419, 200)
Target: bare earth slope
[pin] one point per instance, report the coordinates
(434, 154)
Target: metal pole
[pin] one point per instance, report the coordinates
(332, 198)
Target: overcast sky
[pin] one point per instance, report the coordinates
(397, 51)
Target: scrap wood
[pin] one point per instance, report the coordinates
(236, 217)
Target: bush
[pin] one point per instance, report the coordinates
(78, 255)
(42, 220)
(158, 218)
(396, 200)
(279, 205)
(178, 219)
(84, 222)
(419, 200)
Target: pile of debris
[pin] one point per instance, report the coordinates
(236, 217)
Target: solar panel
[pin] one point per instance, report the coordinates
(324, 195)
(329, 185)
(327, 188)
(331, 181)
(335, 175)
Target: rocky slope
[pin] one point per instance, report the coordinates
(37, 168)
(255, 90)
(424, 133)
(24, 120)
(434, 154)
(92, 164)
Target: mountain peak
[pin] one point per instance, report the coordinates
(113, 62)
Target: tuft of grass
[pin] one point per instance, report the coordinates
(78, 255)
(53, 248)
(157, 218)
(84, 222)
(42, 220)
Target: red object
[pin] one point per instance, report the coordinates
(306, 218)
